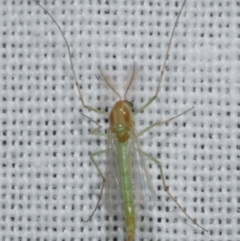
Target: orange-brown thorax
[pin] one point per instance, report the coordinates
(121, 121)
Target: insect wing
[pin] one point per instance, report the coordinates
(143, 191)
(113, 191)
(142, 185)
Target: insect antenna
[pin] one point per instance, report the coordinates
(109, 85)
(131, 80)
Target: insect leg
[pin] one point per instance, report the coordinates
(71, 62)
(159, 123)
(95, 131)
(164, 63)
(102, 176)
(151, 158)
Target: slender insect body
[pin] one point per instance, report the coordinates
(121, 127)
(122, 136)
(126, 179)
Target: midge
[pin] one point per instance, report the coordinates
(126, 177)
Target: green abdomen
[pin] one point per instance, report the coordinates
(127, 190)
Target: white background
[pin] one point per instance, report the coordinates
(48, 185)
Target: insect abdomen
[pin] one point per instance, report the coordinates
(127, 191)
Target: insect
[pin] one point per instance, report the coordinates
(127, 177)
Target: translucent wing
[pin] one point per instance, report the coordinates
(113, 191)
(141, 183)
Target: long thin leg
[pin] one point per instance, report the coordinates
(71, 62)
(159, 123)
(164, 63)
(167, 191)
(103, 178)
(95, 131)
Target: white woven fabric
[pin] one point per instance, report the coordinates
(48, 185)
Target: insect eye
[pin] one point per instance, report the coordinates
(130, 104)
